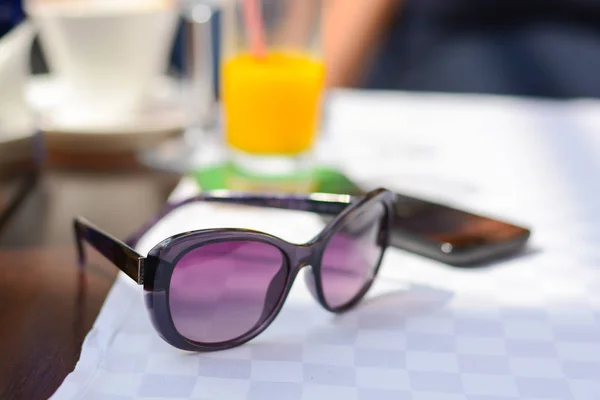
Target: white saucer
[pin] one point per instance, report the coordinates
(164, 117)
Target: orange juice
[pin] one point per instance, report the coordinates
(272, 104)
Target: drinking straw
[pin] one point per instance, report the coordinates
(254, 28)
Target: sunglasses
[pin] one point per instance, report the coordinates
(216, 289)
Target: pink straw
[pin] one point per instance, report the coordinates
(254, 28)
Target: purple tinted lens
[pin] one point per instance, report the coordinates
(222, 291)
(352, 255)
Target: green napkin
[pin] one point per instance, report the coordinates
(319, 180)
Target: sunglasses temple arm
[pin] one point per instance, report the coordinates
(120, 254)
(325, 204)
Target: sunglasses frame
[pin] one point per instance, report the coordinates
(154, 272)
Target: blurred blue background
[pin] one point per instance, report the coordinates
(538, 48)
(11, 13)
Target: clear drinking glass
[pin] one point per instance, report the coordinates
(272, 83)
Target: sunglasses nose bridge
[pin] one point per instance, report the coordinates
(304, 256)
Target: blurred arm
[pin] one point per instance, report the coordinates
(352, 31)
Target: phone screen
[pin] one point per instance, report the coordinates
(444, 224)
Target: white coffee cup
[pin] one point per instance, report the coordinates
(16, 117)
(105, 53)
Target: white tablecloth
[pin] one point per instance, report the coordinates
(527, 328)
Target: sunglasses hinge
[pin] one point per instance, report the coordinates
(140, 268)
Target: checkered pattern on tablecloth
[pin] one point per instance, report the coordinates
(527, 328)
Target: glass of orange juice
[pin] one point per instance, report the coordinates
(272, 83)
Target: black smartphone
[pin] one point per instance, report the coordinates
(453, 236)
(446, 234)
